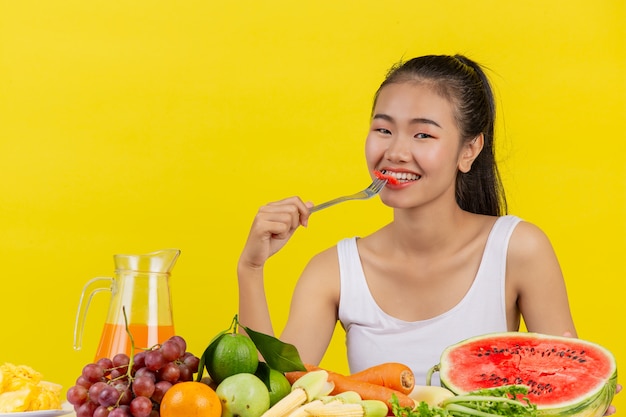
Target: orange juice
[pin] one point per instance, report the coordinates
(115, 339)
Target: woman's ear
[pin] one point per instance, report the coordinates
(470, 152)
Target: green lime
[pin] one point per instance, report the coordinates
(279, 386)
(234, 353)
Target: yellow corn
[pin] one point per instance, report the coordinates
(301, 411)
(364, 408)
(287, 404)
(306, 389)
(336, 409)
(345, 397)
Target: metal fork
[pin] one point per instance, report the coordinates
(373, 189)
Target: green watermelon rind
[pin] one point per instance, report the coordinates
(593, 404)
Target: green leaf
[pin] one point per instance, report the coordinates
(263, 373)
(283, 357)
(208, 352)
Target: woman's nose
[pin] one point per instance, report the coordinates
(398, 150)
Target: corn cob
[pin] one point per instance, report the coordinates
(301, 410)
(363, 408)
(345, 396)
(306, 389)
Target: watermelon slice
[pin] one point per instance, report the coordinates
(390, 179)
(565, 376)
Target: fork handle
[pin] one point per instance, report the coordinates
(327, 204)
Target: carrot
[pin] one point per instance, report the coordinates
(293, 376)
(367, 390)
(393, 375)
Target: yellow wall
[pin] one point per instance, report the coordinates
(130, 126)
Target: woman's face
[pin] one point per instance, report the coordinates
(413, 136)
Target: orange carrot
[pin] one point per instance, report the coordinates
(390, 374)
(366, 390)
(293, 376)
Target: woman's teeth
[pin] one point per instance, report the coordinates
(403, 176)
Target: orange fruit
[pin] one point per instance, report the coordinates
(190, 399)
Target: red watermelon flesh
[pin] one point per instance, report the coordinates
(564, 375)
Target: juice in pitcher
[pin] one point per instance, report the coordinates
(115, 338)
(140, 296)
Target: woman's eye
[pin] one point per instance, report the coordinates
(422, 136)
(383, 131)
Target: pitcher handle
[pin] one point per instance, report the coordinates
(92, 287)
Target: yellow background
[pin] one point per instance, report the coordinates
(130, 126)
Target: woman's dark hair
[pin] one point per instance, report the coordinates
(464, 83)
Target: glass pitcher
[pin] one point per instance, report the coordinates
(140, 296)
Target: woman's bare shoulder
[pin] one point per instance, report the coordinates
(323, 264)
(527, 241)
(531, 259)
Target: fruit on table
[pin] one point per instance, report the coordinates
(307, 388)
(132, 387)
(394, 375)
(565, 376)
(190, 399)
(233, 353)
(367, 390)
(243, 395)
(279, 386)
(310, 397)
(22, 389)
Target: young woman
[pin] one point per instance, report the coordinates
(450, 265)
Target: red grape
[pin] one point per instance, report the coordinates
(101, 411)
(171, 350)
(146, 372)
(93, 372)
(95, 390)
(180, 341)
(160, 388)
(77, 395)
(169, 372)
(139, 361)
(108, 396)
(107, 388)
(155, 360)
(121, 361)
(186, 374)
(86, 410)
(143, 386)
(120, 412)
(191, 361)
(141, 407)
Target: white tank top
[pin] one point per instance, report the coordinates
(374, 337)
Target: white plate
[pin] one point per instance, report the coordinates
(41, 413)
(67, 408)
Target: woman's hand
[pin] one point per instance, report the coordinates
(611, 409)
(272, 227)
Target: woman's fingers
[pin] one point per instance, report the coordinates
(294, 206)
(272, 227)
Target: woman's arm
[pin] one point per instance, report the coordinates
(271, 229)
(314, 307)
(534, 276)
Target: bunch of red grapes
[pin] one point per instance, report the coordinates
(119, 387)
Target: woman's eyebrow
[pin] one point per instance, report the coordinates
(414, 121)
